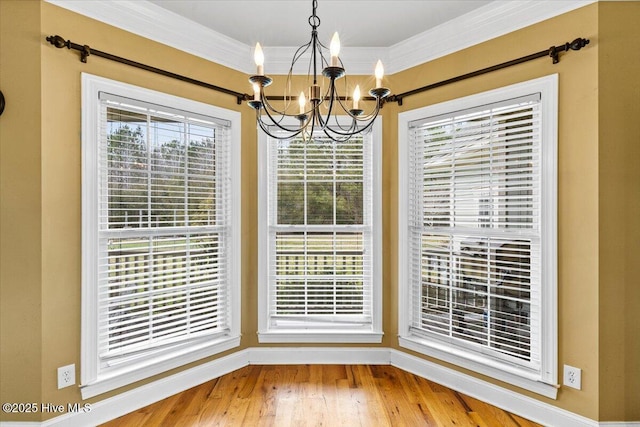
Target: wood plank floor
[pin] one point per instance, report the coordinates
(320, 395)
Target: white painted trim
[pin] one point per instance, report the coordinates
(157, 366)
(21, 424)
(151, 21)
(147, 394)
(263, 230)
(485, 23)
(370, 333)
(319, 356)
(319, 337)
(516, 403)
(479, 364)
(376, 226)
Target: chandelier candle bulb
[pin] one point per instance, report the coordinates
(356, 97)
(334, 49)
(379, 73)
(258, 56)
(302, 101)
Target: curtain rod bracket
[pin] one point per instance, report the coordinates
(394, 98)
(86, 51)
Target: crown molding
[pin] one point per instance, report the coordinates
(485, 23)
(158, 24)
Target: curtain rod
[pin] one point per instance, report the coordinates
(552, 52)
(86, 51)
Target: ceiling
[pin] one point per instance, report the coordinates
(360, 23)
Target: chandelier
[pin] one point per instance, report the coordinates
(321, 108)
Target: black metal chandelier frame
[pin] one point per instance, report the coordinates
(311, 119)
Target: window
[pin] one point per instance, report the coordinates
(160, 233)
(477, 265)
(319, 204)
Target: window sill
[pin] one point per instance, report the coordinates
(319, 336)
(155, 365)
(479, 364)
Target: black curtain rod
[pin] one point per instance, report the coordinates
(552, 52)
(85, 51)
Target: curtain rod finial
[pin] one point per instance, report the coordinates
(58, 41)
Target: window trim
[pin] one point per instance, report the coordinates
(544, 383)
(93, 382)
(268, 334)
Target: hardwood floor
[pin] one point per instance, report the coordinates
(320, 395)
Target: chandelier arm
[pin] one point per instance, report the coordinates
(287, 89)
(331, 91)
(346, 133)
(372, 115)
(303, 118)
(356, 118)
(277, 123)
(331, 134)
(265, 129)
(354, 126)
(298, 54)
(268, 107)
(344, 108)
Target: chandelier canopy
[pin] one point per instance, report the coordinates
(309, 116)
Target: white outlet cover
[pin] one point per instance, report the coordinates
(572, 377)
(66, 376)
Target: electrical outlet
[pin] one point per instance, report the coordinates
(66, 376)
(572, 377)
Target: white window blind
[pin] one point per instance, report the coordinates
(320, 252)
(320, 201)
(475, 200)
(163, 227)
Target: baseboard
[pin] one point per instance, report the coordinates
(518, 404)
(318, 356)
(147, 394)
(132, 400)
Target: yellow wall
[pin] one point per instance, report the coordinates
(20, 204)
(40, 210)
(619, 205)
